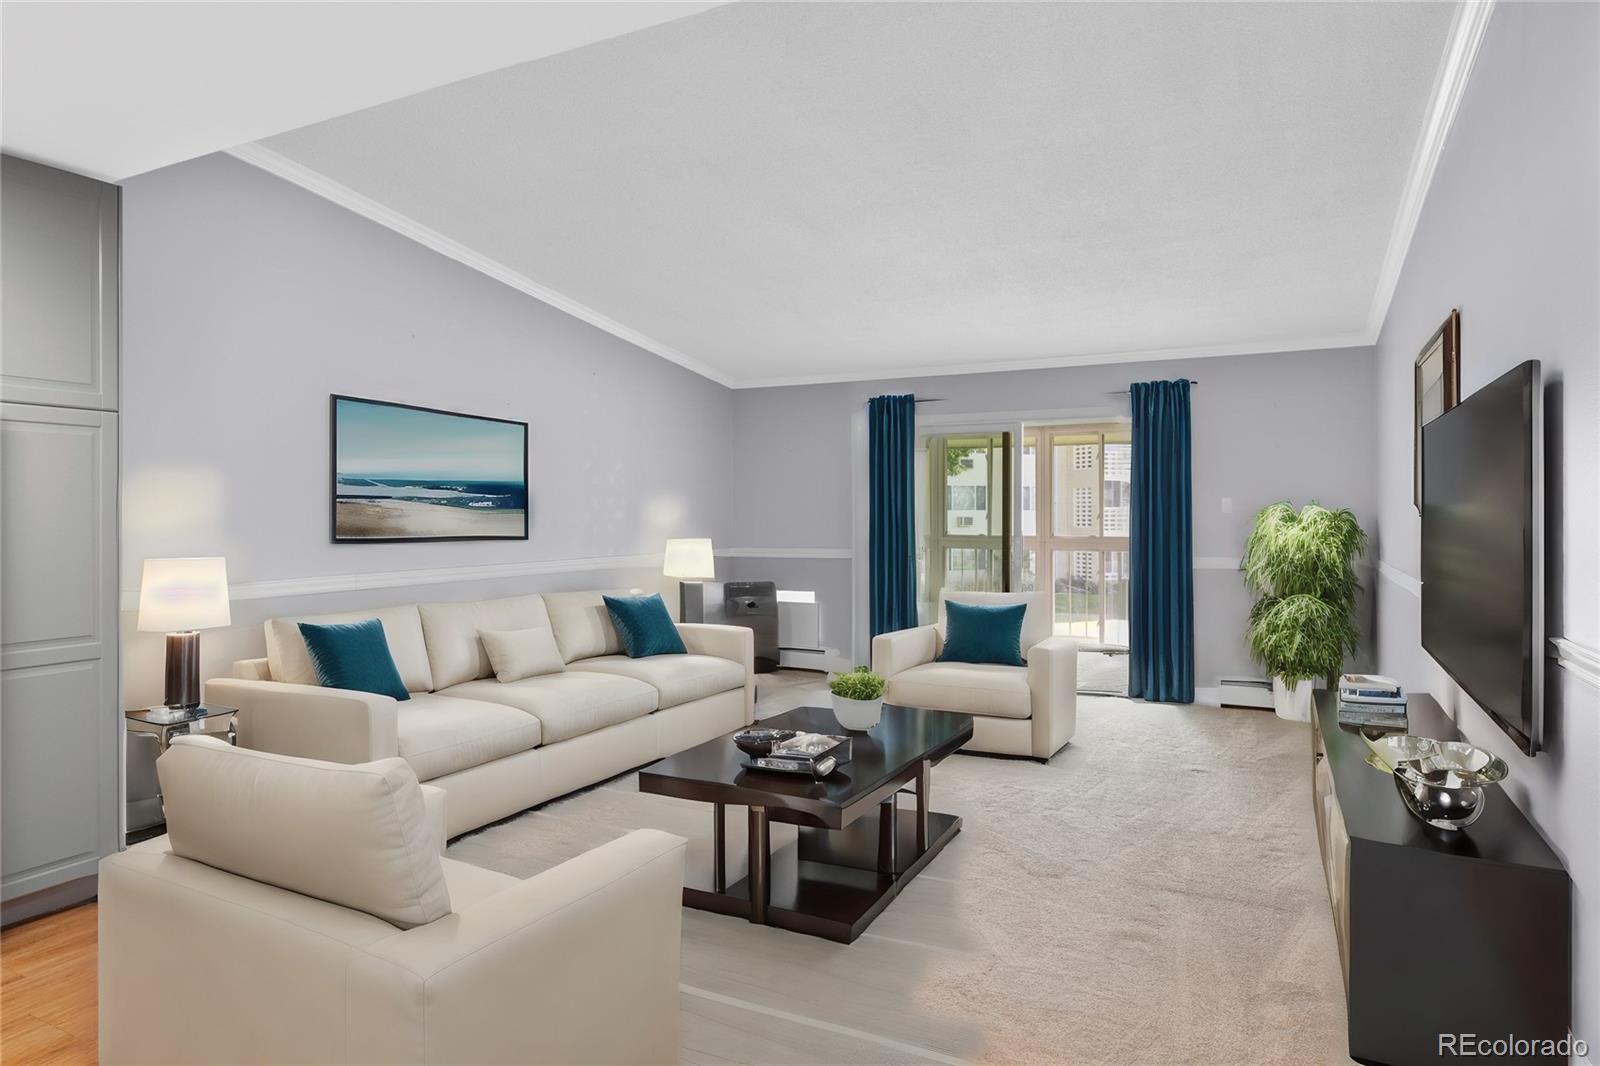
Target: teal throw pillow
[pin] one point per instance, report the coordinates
(355, 656)
(983, 633)
(644, 626)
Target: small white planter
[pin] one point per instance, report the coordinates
(857, 715)
(1292, 704)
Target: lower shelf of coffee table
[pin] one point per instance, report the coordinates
(827, 882)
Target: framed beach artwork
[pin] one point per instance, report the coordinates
(1436, 385)
(405, 473)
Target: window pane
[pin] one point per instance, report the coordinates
(1030, 488)
(1075, 485)
(966, 494)
(1119, 469)
(1116, 596)
(1027, 579)
(972, 570)
(1076, 579)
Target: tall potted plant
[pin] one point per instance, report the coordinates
(1301, 568)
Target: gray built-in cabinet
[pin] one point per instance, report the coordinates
(60, 721)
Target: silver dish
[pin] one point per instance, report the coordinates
(1441, 781)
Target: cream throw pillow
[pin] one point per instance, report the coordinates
(519, 653)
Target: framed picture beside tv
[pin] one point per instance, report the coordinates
(400, 472)
(1436, 383)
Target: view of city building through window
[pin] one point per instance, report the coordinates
(963, 549)
(1079, 479)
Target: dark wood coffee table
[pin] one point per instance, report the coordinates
(845, 867)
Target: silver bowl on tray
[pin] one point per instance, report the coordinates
(1441, 781)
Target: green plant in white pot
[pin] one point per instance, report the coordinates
(1301, 566)
(857, 698)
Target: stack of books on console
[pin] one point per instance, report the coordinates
(1371, 700)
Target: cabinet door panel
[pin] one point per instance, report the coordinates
(58, 571)
(59, 266)
(59, 814)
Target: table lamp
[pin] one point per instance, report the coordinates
(180, 597)
(689, 559)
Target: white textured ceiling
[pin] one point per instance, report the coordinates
(784, 192)
(116, 89)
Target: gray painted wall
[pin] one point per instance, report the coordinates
(1266, 427)
(248, 300)
(1509, 235)
(264, 298)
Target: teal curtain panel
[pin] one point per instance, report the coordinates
(891, 522)
(1161, 546)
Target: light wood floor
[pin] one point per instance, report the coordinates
(47, 990)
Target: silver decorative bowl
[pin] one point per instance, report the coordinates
(1441, 781)
(758, 741)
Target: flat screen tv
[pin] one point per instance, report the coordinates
(1483, 549)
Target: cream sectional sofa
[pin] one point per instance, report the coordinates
(495, 748)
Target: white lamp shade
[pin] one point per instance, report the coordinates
(180, 594)
(690, 559)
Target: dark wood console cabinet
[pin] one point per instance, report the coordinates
(1466, 932)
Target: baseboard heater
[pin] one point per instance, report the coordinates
(1244, 692)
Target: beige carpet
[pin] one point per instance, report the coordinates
(1153, 895)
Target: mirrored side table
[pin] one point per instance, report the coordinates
(150, 734)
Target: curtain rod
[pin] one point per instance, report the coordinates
(1124, 392)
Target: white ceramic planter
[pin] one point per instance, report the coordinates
(857, 715)
(1292, 704)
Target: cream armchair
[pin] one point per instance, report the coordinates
(1027, 710)
(299, 911)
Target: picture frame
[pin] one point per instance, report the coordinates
(404, 473)
(1436, 388)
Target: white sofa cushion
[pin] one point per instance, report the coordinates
(677, 678)
(440, 735)
(974, 688)
(1038, 622)
(519, 653)
(569, 704)
(356, 835)
(455, 653)
(402, 628)
(582, 624)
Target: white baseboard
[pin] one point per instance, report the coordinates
(826, 659)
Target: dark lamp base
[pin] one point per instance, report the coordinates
(183, 669)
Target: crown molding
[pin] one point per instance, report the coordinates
(279, 165)
(1209, 351)
(1450, 86)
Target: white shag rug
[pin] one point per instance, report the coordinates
(1152, 895)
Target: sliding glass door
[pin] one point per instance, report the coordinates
(1074, 518)
(1030, 508)
(965, 515)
